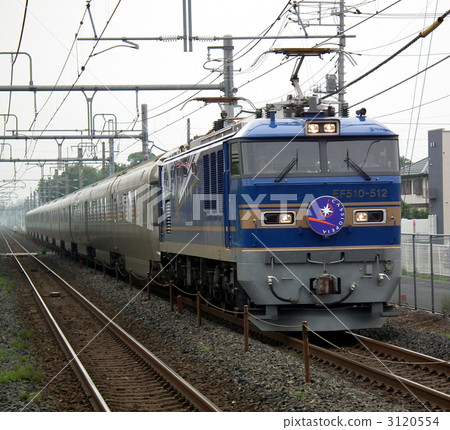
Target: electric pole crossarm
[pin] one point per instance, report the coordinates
(52, 88)
(207, 38)
(72, 136)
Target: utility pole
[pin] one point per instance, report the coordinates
(103, 160)
(66, 178)
(228, 80)
(80, 167)
(341, 73)
(111, 157)
(144, 132)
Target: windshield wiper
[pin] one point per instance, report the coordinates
(356, 168)
(287, 169)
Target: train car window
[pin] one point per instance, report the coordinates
(371, 155)
(125, 208)
(133, 205)
(119, 205)
(271, 158)
(113, 208)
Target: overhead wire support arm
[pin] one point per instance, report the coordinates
(52, 88)
(422, 34)
(203, 38)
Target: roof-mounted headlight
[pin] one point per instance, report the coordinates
(322, 127)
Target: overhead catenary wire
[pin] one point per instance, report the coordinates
(280, 65)
(422, 34)
(419, 111)
(69, 54)
(83, 68)
(402, 82)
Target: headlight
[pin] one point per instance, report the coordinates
(286, 218)
(369, 216)
(312, 128)
(322, 127)
(278, 218)
(361, 216)
(329, 127)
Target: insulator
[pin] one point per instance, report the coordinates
(205, 38)
(344, 109)
(169, 38)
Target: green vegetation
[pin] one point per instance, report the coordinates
(19, 372)
(56, 186)
(25, 397)
(409, 212)
(5, 284)
(425, 276)
(301, 395)
(22, 367)
(204, 348)
(22, 341)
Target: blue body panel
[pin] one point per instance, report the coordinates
(218, 223)
(299, 192)
(290, 127)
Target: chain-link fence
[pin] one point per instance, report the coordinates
(426, 272)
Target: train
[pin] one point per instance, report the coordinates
(293, 212)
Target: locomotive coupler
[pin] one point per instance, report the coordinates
(326, 284)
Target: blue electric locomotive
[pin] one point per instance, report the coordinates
(298, 217)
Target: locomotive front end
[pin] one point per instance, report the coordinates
(316, 221)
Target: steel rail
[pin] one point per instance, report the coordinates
(202, 403)
(96, 399)
(440, 366)
(423, 392)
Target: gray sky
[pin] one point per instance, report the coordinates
(411, 109)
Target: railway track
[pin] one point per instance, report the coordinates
(426, 379)
(117, 372)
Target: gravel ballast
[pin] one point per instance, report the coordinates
(211, 357)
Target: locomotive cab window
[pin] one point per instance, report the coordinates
(269, 158)
(372, 156)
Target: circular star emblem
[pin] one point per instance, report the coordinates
(326, 215)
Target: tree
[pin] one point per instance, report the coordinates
(409, 212)
(404, 162)
(136, 157)
(55, 187)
